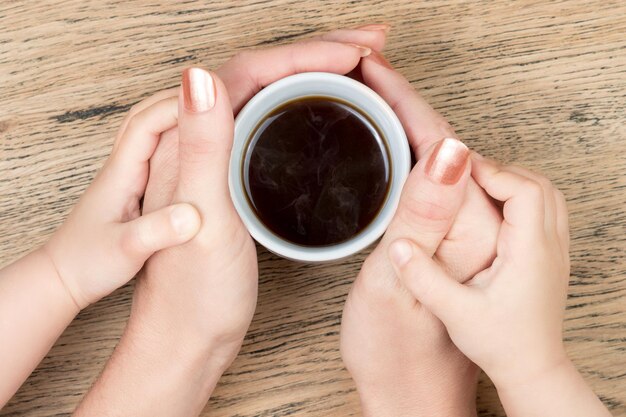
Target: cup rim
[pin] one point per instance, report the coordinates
(256, 110)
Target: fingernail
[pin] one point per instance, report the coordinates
(380, 59)
(447, 162)
(362, 49)
(377, 26)
(400, 253)
(198, 90)
(184, 220)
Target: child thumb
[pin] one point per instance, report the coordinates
(441, 294)
(160, 229)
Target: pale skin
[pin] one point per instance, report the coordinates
(456, 223)
(185, 290)
(451, 386)
(517, 303)
(42, 292)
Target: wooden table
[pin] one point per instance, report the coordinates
(539, 83)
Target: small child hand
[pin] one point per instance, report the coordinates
(507, 318)
(105, 241)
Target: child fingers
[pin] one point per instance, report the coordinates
(524, 201)
(548, 196)
(139, 107)
(428, 282)
(143, 132)
(166, 227)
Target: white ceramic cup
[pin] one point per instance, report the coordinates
(328, 85)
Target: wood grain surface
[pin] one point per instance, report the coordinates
(538, 83)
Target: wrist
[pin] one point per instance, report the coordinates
(532, 371)
(58, 256)
(449, 389)
(422, 408)
(170, 376)
(45, 257)
(164, 336)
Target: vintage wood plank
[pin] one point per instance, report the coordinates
(537, 83)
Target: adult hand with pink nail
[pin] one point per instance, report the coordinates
(423, 351)
(399, 354)
(378, 309)
(192, 306)
(508, 317)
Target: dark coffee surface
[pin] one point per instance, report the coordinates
(317, 172)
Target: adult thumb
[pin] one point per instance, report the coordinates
(205, 129)
(428, 282)
(160, 229)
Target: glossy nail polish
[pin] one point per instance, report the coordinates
(448, 161)
(364, 51)
(198, 90)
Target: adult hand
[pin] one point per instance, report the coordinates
(518, 302)
(399, 354)
(508, 318)
(191, 307)
(244, 75)
(193, 304)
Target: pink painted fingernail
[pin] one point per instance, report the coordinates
(447, 162)
(198, 90)
(376, 26)
(364, 51)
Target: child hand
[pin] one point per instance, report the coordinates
(193, 303)
(206, 289)
(507, 318)
(105, 241)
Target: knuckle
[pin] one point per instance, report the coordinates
(532, 189)
(445, 127)
(437, 129)
(198, 148)
(419, 208)
(423, 285)
(132, 241)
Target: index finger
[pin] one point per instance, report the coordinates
(248, 72)
(523, 197)
(422, 124)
